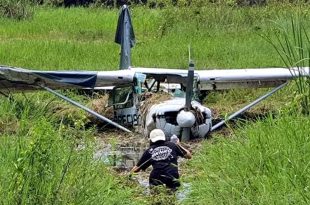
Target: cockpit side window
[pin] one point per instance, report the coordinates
(123, 97)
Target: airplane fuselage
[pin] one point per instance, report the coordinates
(168, 115)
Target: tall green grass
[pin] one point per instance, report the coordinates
(41, 160)
(79, 38)
(292, 43)
(263, 163)
(44, 162)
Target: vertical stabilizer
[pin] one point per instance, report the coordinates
(125, 37)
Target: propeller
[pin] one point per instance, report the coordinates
(185, 118)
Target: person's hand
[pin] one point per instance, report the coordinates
(130, 175)
(174, 139)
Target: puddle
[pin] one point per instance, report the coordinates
(144, 182)
(184, 191)
(122, 157)
(181, 195)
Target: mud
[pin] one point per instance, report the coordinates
(122, 152)
(119, 150)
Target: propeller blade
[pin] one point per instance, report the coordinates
(188, 98)
(186, 133)
(189, 86)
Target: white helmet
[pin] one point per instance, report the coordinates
(157, 135)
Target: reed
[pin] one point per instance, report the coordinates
(292, 43)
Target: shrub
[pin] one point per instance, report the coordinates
(16, 9)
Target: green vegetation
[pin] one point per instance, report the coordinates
(78, 38)
(294, 49)
(43, 162)
(16, 9)
(47, 153)
(263, 163)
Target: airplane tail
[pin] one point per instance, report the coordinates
(125, 37)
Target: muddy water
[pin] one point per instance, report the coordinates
(122, 155)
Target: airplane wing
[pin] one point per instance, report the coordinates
(19, 79)
(221, 79)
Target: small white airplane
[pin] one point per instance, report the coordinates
(181, 116)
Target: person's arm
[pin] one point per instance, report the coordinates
(187, 154)
(135, 169)
(143, 163)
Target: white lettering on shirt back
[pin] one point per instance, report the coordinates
(161, 153)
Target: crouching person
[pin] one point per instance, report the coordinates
(163, 157)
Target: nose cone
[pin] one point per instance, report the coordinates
(186, 119)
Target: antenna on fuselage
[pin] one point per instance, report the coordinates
(125, 37)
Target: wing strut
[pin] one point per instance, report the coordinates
(4, 94)
(258, 100)
(150, 87)
(86, 109)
